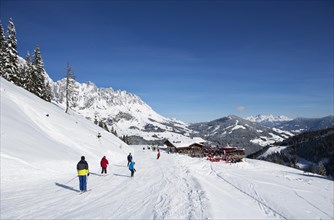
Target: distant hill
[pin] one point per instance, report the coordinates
(237, 132)
(300, 125)
(312, 151)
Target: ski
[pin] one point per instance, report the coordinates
(82, 192)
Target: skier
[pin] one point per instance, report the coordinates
(83, 172)
(129, 158)
(104, 163)
(158, 155)
(132, 168)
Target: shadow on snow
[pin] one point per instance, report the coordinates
(94, 174)
(118, 165)
(67, 187)
(122, 175)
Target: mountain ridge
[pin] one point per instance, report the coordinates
(238, 132)
(128, 115)
(122, 112)
(268, 120)
(301, 124)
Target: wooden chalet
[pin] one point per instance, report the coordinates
(191, 148)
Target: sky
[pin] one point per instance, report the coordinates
(190, 60)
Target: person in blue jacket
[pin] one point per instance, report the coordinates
(132, 167)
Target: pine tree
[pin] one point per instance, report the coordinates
(38, 61)
(322, 169)
(2, 50)
(125, 139)
(22, 77)
(69, 89)
(113, 131)
(29, 73)
(11, 70)
(41, 86)
(48, 94)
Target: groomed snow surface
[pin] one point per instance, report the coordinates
(39, 154)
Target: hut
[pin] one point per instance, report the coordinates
(192, 148)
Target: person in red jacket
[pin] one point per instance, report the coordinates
(158, 155)
(104, 165)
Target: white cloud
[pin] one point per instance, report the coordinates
(240, 108)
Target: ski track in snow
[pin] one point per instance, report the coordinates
(316, 207)
(173, 193)
(168, 188)
(261, 202)
(168, 203)
(249, 187)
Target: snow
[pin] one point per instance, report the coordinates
(38, 175)
(216, 129)
(268, 118)
(262, 141)
(286, 134)
(235, 127)
(272, 150)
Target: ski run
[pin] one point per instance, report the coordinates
(41, 145)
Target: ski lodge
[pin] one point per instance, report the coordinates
(185, 147)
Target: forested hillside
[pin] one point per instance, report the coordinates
(315, 147)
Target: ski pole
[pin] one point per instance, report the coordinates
(72, 179)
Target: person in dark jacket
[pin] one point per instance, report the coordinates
(129, 158)
(83, 172)
(132, 168)
(104, 164)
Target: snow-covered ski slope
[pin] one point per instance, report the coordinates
(38, 175)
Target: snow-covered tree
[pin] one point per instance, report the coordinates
(11, 70)
(40, 87)
(38, 61)
(322, 169)
(30, 75)
(48, 94)
(2, 50)
(69, 89)
(29, 69)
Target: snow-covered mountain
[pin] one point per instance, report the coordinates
(269, 120)
(297, 125)
(41, 145)
(121, 111)
(238, 132)
(300, 125)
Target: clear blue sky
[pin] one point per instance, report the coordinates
(190, 60)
